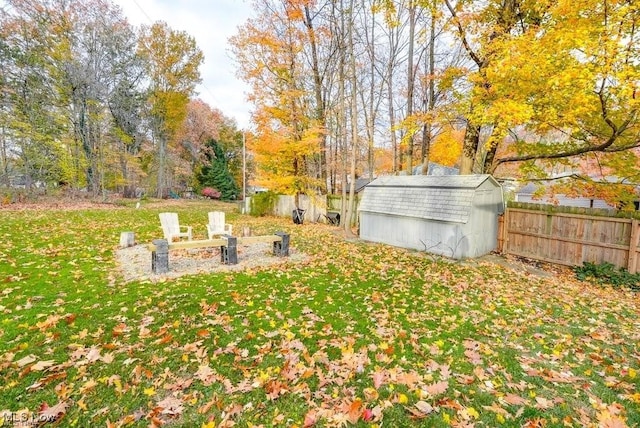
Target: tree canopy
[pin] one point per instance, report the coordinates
(530, 89)
(340, 89)
(90, 102)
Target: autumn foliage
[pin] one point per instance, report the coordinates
(390, 337)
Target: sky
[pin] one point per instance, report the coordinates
(211, 23)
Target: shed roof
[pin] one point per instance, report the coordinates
(444, 198)
(361, 183)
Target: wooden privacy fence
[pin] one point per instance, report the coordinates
(570, 239)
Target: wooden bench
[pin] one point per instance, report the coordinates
(228, 248)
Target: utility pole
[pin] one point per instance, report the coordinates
(244, 174)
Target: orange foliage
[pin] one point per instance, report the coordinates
(383, 158)
(447, 147)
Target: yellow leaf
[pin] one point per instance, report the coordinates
(82, 405)
(632, 373)
(211, 424)
(500, 418)
(149, 391)
(473, 413)
(263, 377)
(403, 399)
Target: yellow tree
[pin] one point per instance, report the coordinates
(172, 59)
(447, 147)
(479, 25)
(558, 80)
(573, 80)
(269, 54)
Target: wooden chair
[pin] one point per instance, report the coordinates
(217, 225)
(172, 229)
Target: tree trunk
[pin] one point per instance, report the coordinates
(430, 99)
(469, 148)
(410, 83)
(489, 159)
(4, 174)
(371, 122)
(342, 112)
(317, 86)
(392, 118)
(162, 155)
(354, 125)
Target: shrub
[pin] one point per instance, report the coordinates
(607, 273)
(211, 193)
(263, 203)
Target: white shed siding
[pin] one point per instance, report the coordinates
(442, 238)
(454, 216)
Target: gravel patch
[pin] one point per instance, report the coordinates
(134, 263)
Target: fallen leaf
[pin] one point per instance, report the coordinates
(437, 388)
(424, 407)
(310, 418)
(42, 365)
(51, 414)
(514, 400)
(26, 360)
(378, 379)
(171, 406)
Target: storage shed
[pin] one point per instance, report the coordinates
(455, 216)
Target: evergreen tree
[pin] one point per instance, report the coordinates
(215, 173)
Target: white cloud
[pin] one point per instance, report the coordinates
(211, 23)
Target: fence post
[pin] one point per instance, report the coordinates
(500, 233)
(505, 231)
(633, 246)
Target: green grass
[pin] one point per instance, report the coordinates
(359, 334)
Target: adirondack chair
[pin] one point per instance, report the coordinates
(172, 229)
(217, 225)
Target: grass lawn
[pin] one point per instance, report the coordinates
(358, 334)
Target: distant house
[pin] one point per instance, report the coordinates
(455, 215)
(18, 182)
(22, 182)
(527, 193)
(254, 190)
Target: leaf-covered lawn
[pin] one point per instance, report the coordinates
(360, 334)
